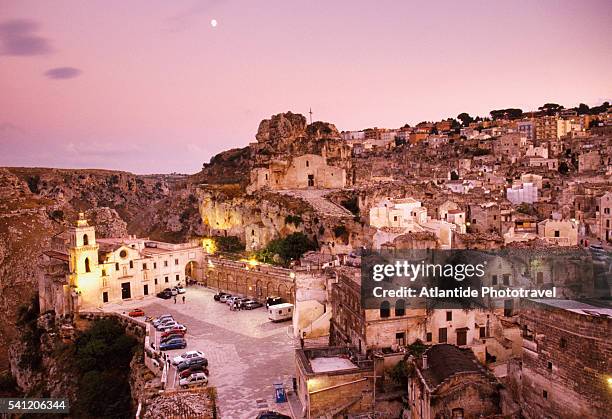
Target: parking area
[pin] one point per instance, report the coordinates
(246, 352)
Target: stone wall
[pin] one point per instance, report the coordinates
(566, 362)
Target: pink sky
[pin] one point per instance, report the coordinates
(149, 86)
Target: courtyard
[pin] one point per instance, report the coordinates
(246, 352)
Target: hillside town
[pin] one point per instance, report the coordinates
(286, 221)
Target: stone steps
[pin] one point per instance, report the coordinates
(316, 199)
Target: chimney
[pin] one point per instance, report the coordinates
(425, 366)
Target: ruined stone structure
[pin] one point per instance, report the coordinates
(448, 382)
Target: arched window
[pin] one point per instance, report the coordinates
(131, 264)
(87, 269)
(85, 240)
(385, 309)
(400, 307)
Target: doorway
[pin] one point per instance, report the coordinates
(105, 297)
(461, 337)
(126, 291)
(146, 290)
(311, 180)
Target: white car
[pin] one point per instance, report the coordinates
(197, 379)
(168, 326)
(180, 290)
(187, 356)
(161, 319)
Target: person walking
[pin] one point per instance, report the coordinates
(183, 299)
(175, 299)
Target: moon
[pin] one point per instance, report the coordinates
(213, 23)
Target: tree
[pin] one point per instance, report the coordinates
(582, 109)
(454, 175)
(509, 113)
(465, 119)
(550, 108)
(563, 168)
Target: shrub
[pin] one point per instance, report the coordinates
(296, 220)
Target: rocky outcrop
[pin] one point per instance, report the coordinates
(281, 129)
(107, 221)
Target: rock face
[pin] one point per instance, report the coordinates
(107, 221)
(281, 129)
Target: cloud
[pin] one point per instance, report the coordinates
(18, 37)
(60, 73)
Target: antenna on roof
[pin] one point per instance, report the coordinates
(310, 112)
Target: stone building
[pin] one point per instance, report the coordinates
(89, 273)
(485, 217)
(559, 232)
(604, 217)
(566, 364)
(589, 162)
(305, 171)
(448, 382)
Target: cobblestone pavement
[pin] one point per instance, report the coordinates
(246, 352)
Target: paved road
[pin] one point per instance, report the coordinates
(246, 352)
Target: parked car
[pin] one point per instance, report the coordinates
(191, 370)
(137, 312)
(171, 337)
(177, 343)
(252, 304)
(162, 322)
(193, 362)
(269, 414)
(162, 317)
(166, 327)
(176, 331)
(598, 248)
(194, 380)
(224, 297)
(187, 355)
(164, 294)
(217, 297)
(271, 301)
(233, 299)
(180, 290)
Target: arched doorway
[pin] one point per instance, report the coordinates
(282, 292)
(193, 272)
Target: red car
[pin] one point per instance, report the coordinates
(137, 312)
(193, 370)
(173, 332)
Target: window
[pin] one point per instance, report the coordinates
(428, 337)
(307, 163)
(442, 335)
(166, 279)
(176, 261)
(154, 265)
(123, 253)
(506, 279)
(557, 233)
(449, 316)
(144, 266)
(483, 332)
(549, 366)
(165, 263)
(155, 281)
(131, 264)
(87, 269)
(385, 309)
(178, 277)
(494, 280)
(545, 394)
(562, 343)
(117, 267)
(85, 240)
(400, 338)
(103, 272)
(400, 307)
(395, 218)
(457, 413)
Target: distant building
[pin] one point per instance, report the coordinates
(546, 128)
(604, 217)
(558, 232)
(526, 129)
(523, 192)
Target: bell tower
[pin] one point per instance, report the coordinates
(83, 264)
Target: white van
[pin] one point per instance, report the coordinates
(280, 312)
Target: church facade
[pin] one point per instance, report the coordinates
(85, 273)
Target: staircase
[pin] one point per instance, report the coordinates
(317, 200)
